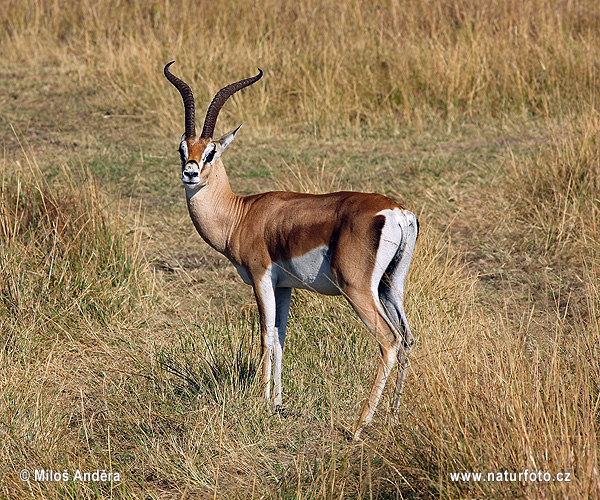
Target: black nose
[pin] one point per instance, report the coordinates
(192, 174)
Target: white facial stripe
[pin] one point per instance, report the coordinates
(183, 150)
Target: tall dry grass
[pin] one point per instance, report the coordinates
(518, 390)
(512, 390)
(490, 394)
(70, 270)
(62, 259)
(94, 373)
(329, 66)
(556, 192)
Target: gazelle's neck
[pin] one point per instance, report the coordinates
(215, 209)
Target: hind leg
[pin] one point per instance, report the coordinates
(365, 306)
(360, 277)
(391, 293)
(392, 305)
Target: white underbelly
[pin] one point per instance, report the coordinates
(310, 271)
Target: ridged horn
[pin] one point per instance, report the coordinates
(188, 101)
(218, 101)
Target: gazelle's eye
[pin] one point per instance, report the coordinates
(209, 157)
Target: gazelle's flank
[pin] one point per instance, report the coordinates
(356, 244)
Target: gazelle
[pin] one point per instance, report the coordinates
(354, 244)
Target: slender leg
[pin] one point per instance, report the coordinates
(386, 364)
(265, 298)
(392, 306)
(402, 365)
(365, 306)
(394, 310)
(363, 292)
(282, 300)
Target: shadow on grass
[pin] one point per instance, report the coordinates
(216, 361)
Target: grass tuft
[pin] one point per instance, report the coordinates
(62, 256)
(217, 362)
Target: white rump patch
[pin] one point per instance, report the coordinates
(391, 240)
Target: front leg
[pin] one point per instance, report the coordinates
(264, 291)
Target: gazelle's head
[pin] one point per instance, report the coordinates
(200, 154)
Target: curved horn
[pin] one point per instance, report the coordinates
(218, 101)
(188, 101)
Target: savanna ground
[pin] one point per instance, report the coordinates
(128, 345)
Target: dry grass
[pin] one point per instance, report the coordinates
(557, 191)
(501, 395)
(63, 257)
(67, 273)
(396, 63)
(127, 346)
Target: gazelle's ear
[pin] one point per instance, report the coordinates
(223, 142)
(227, 138)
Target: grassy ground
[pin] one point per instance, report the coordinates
(128, 345)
